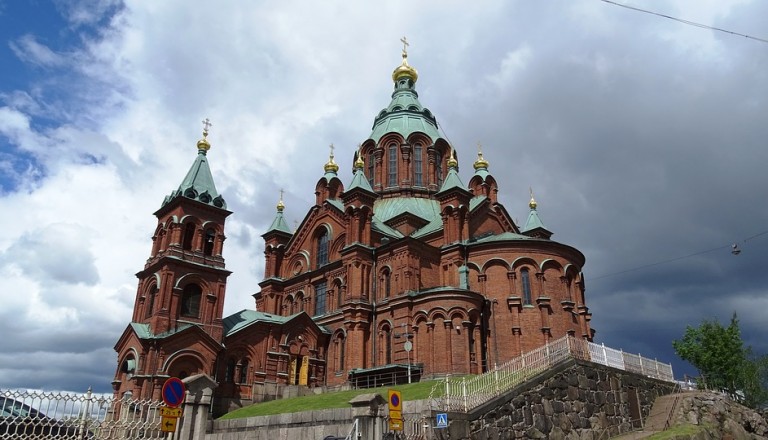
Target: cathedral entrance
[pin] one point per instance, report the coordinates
(299, 370)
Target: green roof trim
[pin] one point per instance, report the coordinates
(474, 202)
(386, 209)
(501, 237)
(198, 184)
(244, 318)
(533, 222)
(452, 181)
(338, 204)
(405, 115)
(360, 181)
(279, 224)
(143, 331)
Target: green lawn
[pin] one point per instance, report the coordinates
(416, 391)
(678, 430)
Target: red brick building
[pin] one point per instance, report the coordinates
(403, 256)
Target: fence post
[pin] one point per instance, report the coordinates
(464, 392)
(447, 393)
(496, 379)
(85, 415)
(605, 355)
(196, 407)
(642, 370)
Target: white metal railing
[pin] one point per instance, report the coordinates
(466, 393)
(32, 415)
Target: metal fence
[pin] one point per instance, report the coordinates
(466, 393)
(33, 415)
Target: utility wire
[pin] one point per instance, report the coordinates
(690, 23)
(645, 266)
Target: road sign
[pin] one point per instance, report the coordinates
(408, 346)
(442, 420)
(395, 415)
(168, 424)
(395, 424)
(173, 392)
(170, 412)
(395, 401)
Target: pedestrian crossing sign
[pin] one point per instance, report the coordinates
(442, 420)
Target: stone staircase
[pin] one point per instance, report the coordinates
(661, 412)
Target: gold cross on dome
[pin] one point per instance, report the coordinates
(405, 46)
(332, 148)
(479, 148)
(207, 125)
(281, 194)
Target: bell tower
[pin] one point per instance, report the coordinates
(184, 279)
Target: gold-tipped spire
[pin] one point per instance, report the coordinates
(280, 204)
(452, 162)
(331, 166)
(405, 70)
(480, 162)
(359, 163)
(203, 145)
(532, 204)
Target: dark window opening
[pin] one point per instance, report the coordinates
(371, 168)
(322, 249)
(189, 235)
(526, 280)
(439, 169)
(243, 371)
(210, 235)
(190, 301)
(151, 300)
(417, 166)
(392, 165)
(320, 298)
(229, 375)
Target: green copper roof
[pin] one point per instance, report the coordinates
(360, 181)
(279, 224)
(474, 202)
(198, 184)
(244, 318)
(385, 209)
(533, 222)
(451, 181)
(404, 115)
(502, 237)
(143, 331)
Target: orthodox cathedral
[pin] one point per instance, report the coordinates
(403, 273)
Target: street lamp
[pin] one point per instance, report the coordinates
(407, 346)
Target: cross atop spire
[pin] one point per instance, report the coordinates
(206, 126)
(405, 47)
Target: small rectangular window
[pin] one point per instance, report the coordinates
(320, 298)
(392, 165)
(417, 166)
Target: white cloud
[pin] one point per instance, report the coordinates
(28, 49)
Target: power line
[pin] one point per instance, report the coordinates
(645, 266)
(690, 23)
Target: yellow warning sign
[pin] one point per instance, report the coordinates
(395, 424)
(170, 412)
(168, 424)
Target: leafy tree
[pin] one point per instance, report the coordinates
(723, 361)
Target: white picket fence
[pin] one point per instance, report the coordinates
(466, 393)
(33, 415)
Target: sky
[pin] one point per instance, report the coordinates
(644, 140)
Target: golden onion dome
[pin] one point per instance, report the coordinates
(452, 162)
(532, 204)
(203, 144)
(480, 162)
(331, 166)
(359, 163)
(405, 70)
(280, 204)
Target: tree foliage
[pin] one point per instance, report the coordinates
(723, 361)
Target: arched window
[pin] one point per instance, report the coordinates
(151, 300)
(243, 371)
(371, 168)
(526, 281)
(322, 248)
(392, 181)
(340, 342)
(388, 340)
(320, 298)
(229, 375)
(210, 235)
(190, 301)
(189, 235)
(439, 169)
(418, 176)
(386, 284)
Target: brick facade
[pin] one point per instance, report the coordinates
(404, 252)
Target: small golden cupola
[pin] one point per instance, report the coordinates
(452, 162)
(331, 166)
(480, 163)
(203, 145)
(404, 69)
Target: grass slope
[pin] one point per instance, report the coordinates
(340, 399)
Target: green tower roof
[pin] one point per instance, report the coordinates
(198, 183)
(405, 114)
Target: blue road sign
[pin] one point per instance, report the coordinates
(442, 420)
(173, 392)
